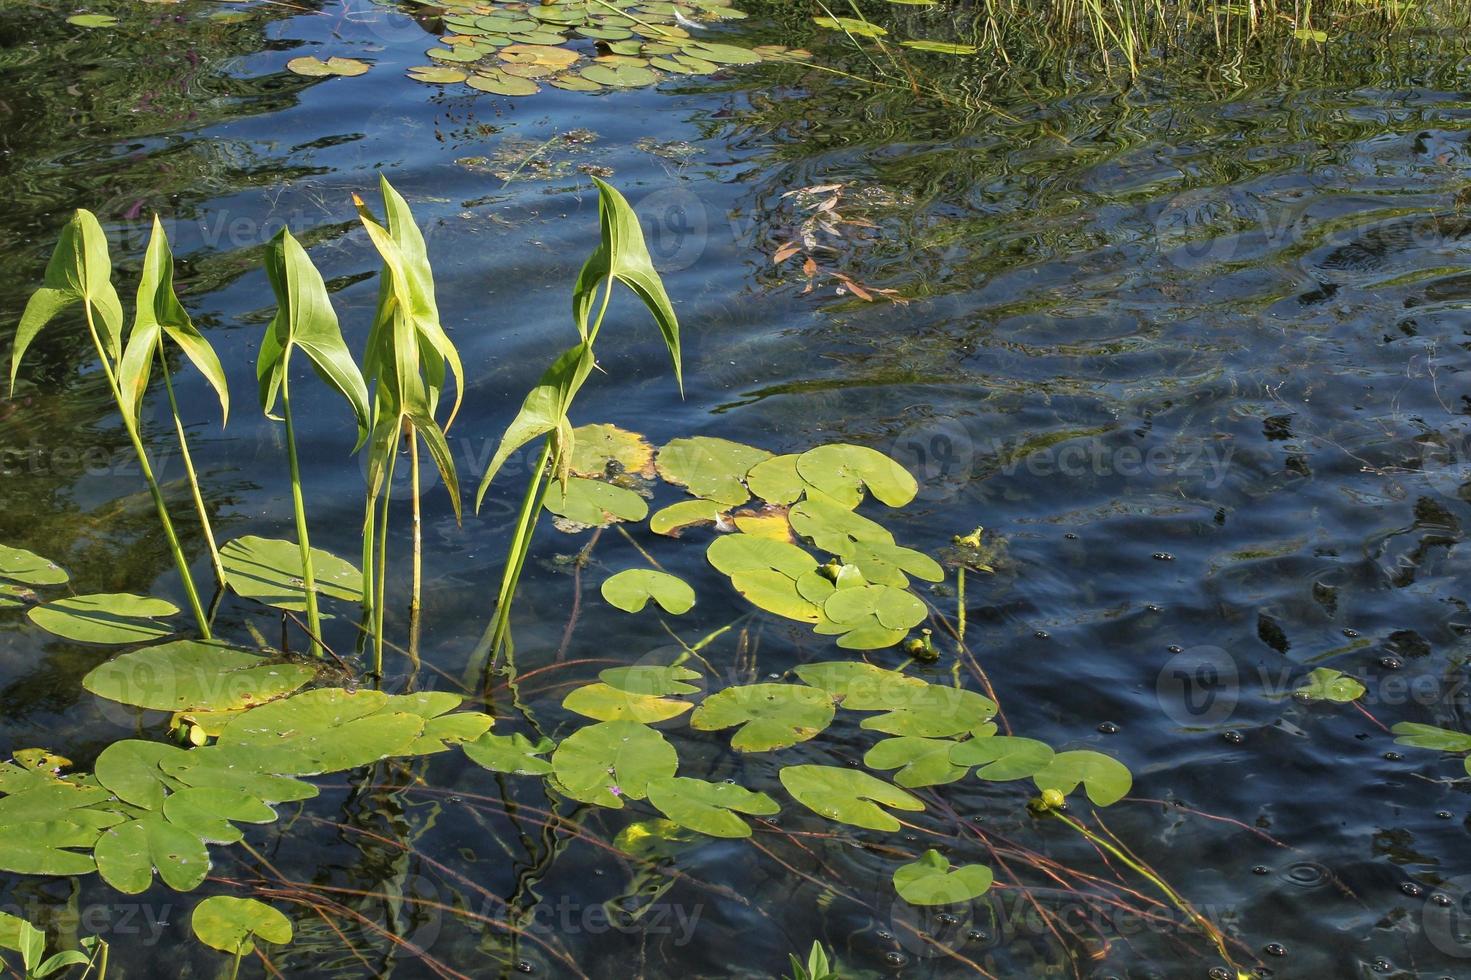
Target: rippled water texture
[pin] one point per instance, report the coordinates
(1193, 352)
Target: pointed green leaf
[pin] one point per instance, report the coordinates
(543, 411)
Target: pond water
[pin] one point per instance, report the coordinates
(1191, 354)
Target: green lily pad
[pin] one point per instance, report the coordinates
(895, 609)
(313, 67)
(510, 753)
(920, 761)
(834, 528)
(16, 596)
(593, 503)
(604, 702)
(436, 75)
(1106, 779)
(776, 593)
(443, 726)
(722, 54)
(1327, 684)
(574, 83)
(92, 20)
(107, 618)
(232, 925)
(848, 795)
(194, 675)
(217, 769)
(936, 711)
(675, 518)
(326, 730)
(736, 553)
(651, 680)
(269, 570)
(770, 716)
(842, 471)
(864, 687)
(456, 54)
(1003, 757)
(208, 813)
(130, 769)
(929, 881)
(776, 480)
(598, 448)
(29, 568)
(710, 808)
(698, 65)
(606, 762)
(632, 588)
(851, 25)
(129, 853)
(710, 468)
(1429, 737)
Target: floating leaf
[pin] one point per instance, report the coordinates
(538, 54)
(269, 570)
(28, 568)
(232, 924)
(632, 588)
(326, 730)
(217, 769)
(194, 675)
(443, 726)
(597, 449)
(936, 711)
(842, 471)
(105, 618)
(737, 553)
(850, 25)
(776, 480)
(593, 503)
(650, 679)
(313, 67)
(771, 716)
(847, 795)
(920, 761)
(130, 770)
(606, 762)
(208, 813)
(929, 881)
(675, 518)
(1003, 757)
(499, 83)
(723, 54)
(776, 593)
(510, 753)
(1327, 684)
(92, 20)
(710, 468)
(604, 702)
(1106, 779)
(833, 528)
(1429, 737)
(895, 609)
(864, 687)
(436, 75)
(709, 808)
(129, 853)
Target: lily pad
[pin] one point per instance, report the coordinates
(92, 20)
(1003, 757)
(326, 730)
(776, 480)
(214, 768)
(710, 468)
(848, 795)
(770, 716)
(936, 711)
(503, 84)
(129, 853)
(632, 588)
(710, 808)
(735, 553)
(552, 57)
(1327, 684)
(776, 593)
(29, 568)
(313, 67)
(598, 448)
(232, 924)
(106, 618)
(194, 675)
(606, 762)
(864, 687)
(834, 528)
(1106, 779)
(269, 570)
(920, 761)
(929, 881)
(650, 679)
(130, 769)
(675, 518)
(842, 471)
(593, 503)
(604, 702)
(1429, 737)
(209, 814)
(511, 753)
(437, 75)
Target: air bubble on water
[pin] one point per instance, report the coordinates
(1108, 728)
(1393, 756)
(1411, 889)
(1275, 949)
(1261, 869)
(1390, 663)
(895, 958)
(1163, 556)
(1233, 736)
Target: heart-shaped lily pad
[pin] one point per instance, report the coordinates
(920, 761)
(194, 675)
(317, 68)
(710, 808)
(632, 588)
(929, 881)
(604, 702)
(510, 753)
(606, 762)
(105, 618)
(232, 925)
(848, 795)
(1106, 779)
(1003, 757)
(269, 570)
(770, 716)
(710, 468)
(29, 568)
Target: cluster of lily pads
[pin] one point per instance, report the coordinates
(582, 45)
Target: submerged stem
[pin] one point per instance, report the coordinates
(209, 534)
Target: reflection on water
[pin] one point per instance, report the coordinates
(1192, 352)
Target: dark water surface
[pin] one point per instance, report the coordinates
(1193, 353)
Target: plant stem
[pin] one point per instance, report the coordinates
(158, 502)
(416, 594)
(209, 534)
(520, 546)
(298, 503)
(380, 587)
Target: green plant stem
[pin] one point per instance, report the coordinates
(298, 503)
(235, 964)
(209, 534)
(416, 593)
(158, 502)
(380, 576)
(520, 546)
